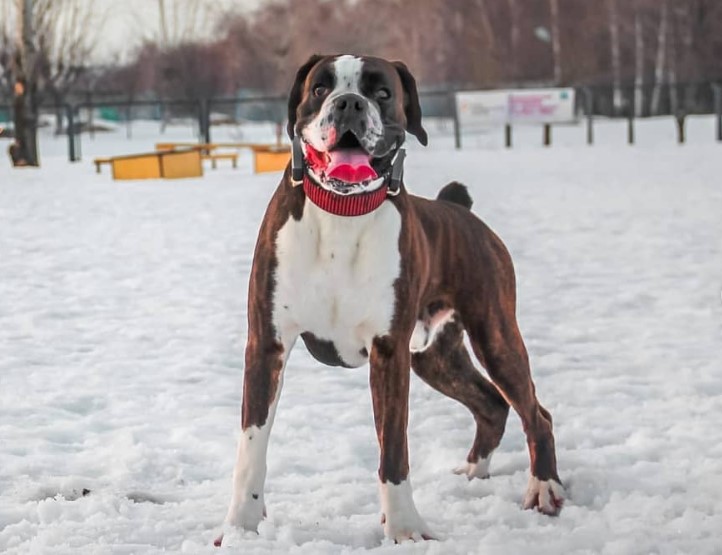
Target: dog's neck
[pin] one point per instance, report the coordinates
(344, 205)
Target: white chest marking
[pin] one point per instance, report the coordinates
(335, 277)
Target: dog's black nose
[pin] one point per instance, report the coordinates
(349, 104)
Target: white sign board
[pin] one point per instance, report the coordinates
(494, 108)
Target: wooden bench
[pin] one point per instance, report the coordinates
(168, 164)
(214, 157)
(203, 148)
(101, 161)
(266, 158)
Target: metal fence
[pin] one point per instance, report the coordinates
(78, 117)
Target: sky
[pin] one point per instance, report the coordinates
(125, 24)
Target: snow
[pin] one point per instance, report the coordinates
(122, 328)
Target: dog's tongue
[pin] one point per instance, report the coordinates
(350, 165)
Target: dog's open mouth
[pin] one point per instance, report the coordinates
(346, 169)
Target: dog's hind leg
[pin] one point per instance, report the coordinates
(496, 340)
(446, 366)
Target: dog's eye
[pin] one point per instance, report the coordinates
(319, 90)
(383, 94)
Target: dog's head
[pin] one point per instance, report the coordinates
(352, 114)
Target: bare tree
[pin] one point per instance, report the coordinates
(660, 63)
(24, 152)
(54, 41)
(66, 31)
(556, 41)
(470, 43)
(6, 50)
(672, 52)
(513, 36)
(184, 21)
(638, 61)
(616, 56)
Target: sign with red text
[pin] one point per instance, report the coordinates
(493, 108)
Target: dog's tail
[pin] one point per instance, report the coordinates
(457, 193)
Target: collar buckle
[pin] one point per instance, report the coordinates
(397, 173)
(297, 162)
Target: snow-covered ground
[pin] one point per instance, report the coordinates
(122, 327)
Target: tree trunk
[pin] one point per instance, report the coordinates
(616, 57)
(59, 112)
(556, 41)
(163, 24)
(25, 150)
(514, 38)
(661, 58)
(691, 61)
(639, 63)
(672, 68)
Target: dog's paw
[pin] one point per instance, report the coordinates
(546, 496)
(245, 517)
(239, 524)
(400, 530)
(399, 517)
(478, 469)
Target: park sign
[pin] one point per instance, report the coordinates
(520, 106)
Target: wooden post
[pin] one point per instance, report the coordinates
(72, 154)
(207, 118)
(589, 98)
(455, 116)
(718, 108)
(680, 120)
(507, 135)
(91, 113)
(547, 134)
(630, 117)
(630, 126)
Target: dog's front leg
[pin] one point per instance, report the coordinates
(265, 360)
(390, 369)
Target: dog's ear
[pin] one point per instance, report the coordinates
(411, 104)
(294, 98)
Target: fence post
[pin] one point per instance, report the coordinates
(718, 108)
(455, 116)
(589, 98)
(680, 120)
(507, 135)
(91, 115)
(72, 152)
(204, 120)
(547, 134)
(128, 121)
(630, 125)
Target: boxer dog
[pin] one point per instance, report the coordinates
(363, 272)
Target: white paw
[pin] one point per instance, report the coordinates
(479, 469)
(400, 518)
(545, 496)
(246, 516)
(405, 529)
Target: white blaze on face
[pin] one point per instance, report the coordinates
(320, 131)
